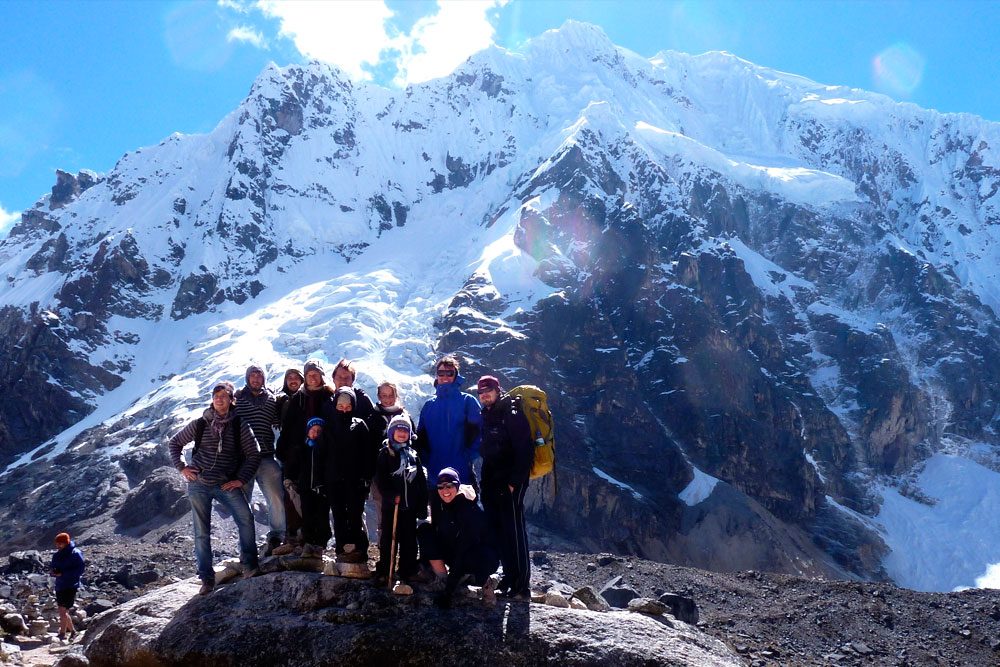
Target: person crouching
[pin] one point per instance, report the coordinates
(457, 540)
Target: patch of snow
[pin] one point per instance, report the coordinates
(949, 544)
(621, 485)
(698, 489)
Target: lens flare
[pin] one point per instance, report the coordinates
(898, 70)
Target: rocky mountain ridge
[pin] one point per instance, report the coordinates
(757, 302)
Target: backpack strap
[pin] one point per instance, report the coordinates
(199, 433)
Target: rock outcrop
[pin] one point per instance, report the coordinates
(302, 618)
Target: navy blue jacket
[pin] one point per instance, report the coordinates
(67, 565)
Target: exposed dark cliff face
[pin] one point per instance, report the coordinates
(45, 379)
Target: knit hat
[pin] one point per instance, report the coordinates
(488, 382)
(313, 365)
(292, 371)
(449, 475)
(253, 368)
(315, 421)
(399, 421)
(63, 538)
(346, 391)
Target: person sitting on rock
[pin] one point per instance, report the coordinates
(346, 476)
(456, 542)
(224, 460)
(67, 568)
(301, 461)
(401, 481)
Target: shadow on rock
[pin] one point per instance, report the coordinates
(313, 619)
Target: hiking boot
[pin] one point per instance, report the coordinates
(351, 556)
(73, 634)
(206, 587)
(312, 551)
(283, 549)
(250, 571)
(269, 547)
(61, 636)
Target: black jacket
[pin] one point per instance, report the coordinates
(296, 457)
(412, 493)
(347, 456)
(462, 535)
(507, 447)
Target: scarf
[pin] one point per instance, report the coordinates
(219, 423)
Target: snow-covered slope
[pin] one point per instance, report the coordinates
(759, 303)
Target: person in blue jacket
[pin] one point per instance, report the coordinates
(449, 428)
(67, 568)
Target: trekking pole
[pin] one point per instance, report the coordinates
(392, 549)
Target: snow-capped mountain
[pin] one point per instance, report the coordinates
(765, 309)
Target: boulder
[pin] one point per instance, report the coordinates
(591, 598)
(163, 495)
(14, 624)
(98, 606)
(131, 579)
(334, 620)
(25, 562)
(72, 659)
(619, 597)
(681, 607)
(38, 628)
(556, 599)
(647, 606)
(10, 653)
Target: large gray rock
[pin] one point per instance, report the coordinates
(308, 618)
(681, 607)
(25, 562)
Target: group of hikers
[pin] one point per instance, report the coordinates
(320, 450)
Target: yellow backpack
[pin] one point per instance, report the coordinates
(535, 404)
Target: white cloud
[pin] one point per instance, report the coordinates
(247, 35)
(235, 5)
(349, 34)
(7, 220)
(441, 42)
(357, 35)
(991, 578)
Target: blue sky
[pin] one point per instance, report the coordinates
(81, 83)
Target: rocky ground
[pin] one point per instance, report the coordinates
(766, 619)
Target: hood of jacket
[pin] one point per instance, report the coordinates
(449, 388)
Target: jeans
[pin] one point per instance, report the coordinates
(269, 477)
(201, 496)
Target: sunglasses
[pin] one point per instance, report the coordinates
(485, 391)
(446, 374)
(446, 485)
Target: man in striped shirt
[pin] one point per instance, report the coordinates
(256, 405)
(224, 460)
